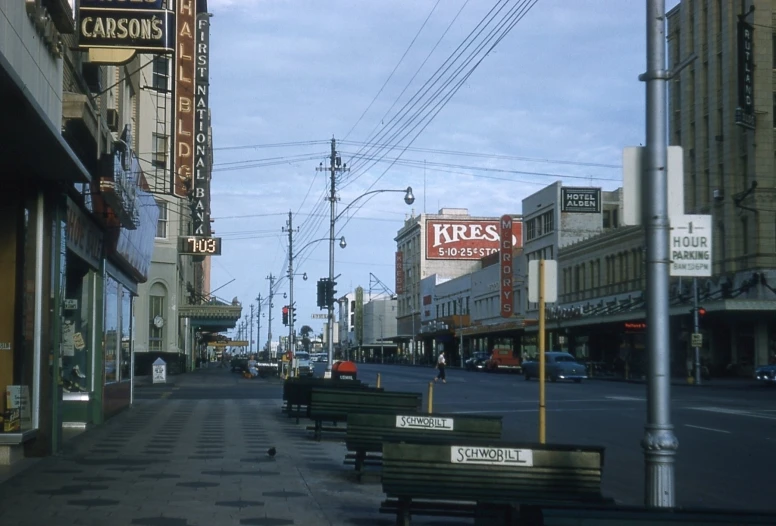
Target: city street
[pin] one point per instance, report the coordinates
(727, 433)
(194, 452)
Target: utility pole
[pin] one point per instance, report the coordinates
(659, 442)
(258, 323)
(250, 337)
(271, 279)
(382, 350)
(291, 306)
(696, 330)
(335, 165)
(460, 329)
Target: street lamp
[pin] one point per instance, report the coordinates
(409, 198)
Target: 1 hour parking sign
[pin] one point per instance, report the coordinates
(691, 246)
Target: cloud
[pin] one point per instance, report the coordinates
(563, 85)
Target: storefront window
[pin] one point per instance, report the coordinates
(112, 329)
(126, 332)
(76, 372)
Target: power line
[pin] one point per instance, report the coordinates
(394, 68)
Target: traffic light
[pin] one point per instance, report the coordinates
(332, 293)
(322, 289)
(285, 314)
(701, 312)
(293, 315)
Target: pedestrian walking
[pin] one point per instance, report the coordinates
(441, 363)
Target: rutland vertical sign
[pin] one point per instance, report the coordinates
(183, 170)
(505, 272)
(201, 186)
(745, 110)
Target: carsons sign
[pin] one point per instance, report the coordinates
(467, 239)
(143, 25)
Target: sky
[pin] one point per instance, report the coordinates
(556, 99)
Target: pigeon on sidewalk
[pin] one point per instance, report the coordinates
(271, 452)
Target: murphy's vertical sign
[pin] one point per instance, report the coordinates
(201, 186)
(183, 171)
(745, 109)
(507, 265)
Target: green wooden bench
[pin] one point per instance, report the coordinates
(298, 391)
(489, 480)
(366, 432)
(333, 405)
(639, 516)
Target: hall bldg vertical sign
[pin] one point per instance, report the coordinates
(183, 170)
(201, 190)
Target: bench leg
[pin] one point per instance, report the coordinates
(403, 517)
(318, 431)
(298, 410)
(360, 456)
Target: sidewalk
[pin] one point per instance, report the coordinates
(195, 463)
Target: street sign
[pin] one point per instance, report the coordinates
(317, 316)
(550, 281)
(696, 340)
(691, 245)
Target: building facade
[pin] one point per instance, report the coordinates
(450, 243)
(78, 234)
(722, 114)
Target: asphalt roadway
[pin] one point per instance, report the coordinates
(726, 432)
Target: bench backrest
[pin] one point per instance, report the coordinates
(368, 431)
(297, 390)
(340, 402)
(488, 471)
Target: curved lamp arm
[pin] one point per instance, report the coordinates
(409, 198)
(342, 244)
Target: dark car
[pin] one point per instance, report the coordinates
(239, 364)
(766, 373)
(476, 362)
(557, 366)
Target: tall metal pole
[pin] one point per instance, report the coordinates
(382, 349)
(542, 358)
(258, 324)
(332, 201)
(659, 442)
(460, 329)
(696, 330)
(271, 279)
(291, 306)
(250, 337)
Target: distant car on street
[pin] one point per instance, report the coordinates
(504, 358)
(766, 374)
(476, 362)
(557, 366)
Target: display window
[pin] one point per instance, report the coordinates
(77, 328)
(117, 331)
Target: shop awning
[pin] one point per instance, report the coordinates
(32, 146)
(212, 317)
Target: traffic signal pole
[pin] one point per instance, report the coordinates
(696, 330)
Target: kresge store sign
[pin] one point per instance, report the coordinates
(126, 24)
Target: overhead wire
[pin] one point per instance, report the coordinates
(394, 69)
(510, 19)
(517, 14)
(419, 95)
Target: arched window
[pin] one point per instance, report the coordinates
(157, 314)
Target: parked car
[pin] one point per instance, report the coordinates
(476, 362)
(766, 373)
(239, 364)
(557, 366)
(303, 363)
(504, 359)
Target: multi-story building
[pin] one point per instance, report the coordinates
(722, 113)
(448, 244)
(84, 211)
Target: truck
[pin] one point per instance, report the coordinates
(504, 358)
